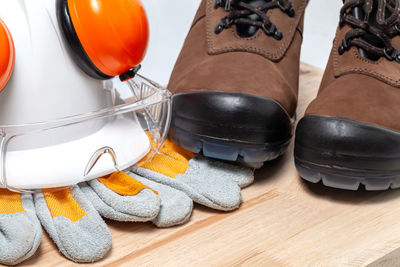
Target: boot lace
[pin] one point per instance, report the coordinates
(240, 12)
(372, 31)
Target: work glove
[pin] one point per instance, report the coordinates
(68, 217)
(20, 229)
(161, 190)
(178, 178)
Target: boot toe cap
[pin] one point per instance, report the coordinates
(231, 117)
(341, 142)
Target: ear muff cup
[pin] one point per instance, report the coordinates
(7, 55)
(107, 38)
(77, 50)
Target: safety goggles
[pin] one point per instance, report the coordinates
(50, 155)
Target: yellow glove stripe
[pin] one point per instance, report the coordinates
(171, 160)
(10, 202)
(123, 184)
(63, 204)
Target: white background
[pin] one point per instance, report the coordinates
(170, 21)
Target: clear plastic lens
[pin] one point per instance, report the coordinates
(71, 150)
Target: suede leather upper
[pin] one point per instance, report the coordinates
(359, 89)
(259, 65)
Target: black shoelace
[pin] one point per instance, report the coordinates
(374, 29)
(240, 11)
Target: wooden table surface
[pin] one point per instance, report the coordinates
(283, 221)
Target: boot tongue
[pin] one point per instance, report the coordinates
(245, 30)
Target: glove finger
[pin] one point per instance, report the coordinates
(120, 197)
(208, 183)
(103, 209)
(176, 206)
(242, 176)
(73, 224)
(20, 229)
(220, 193)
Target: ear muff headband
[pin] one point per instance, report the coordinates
(108, 38)
(7, 55)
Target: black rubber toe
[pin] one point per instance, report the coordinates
(232, 118)
(347, 143)
(344, 153)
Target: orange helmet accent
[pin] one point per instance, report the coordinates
(114, 34)
(7, 55)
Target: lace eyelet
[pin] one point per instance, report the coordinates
(288, 8)
(271, 30)
(218, 4)
(291, 13)
(343, 47)
(278, 35)
(341, 21)
(392, 56)
(284, 8)
(398, 58)
(225, 23)
(341, 50)
(397, 28)
(218, 29)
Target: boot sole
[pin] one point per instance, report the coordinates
(345, 178)
(253, 155)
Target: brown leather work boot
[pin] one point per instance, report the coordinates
(351, 131)
(235, 82)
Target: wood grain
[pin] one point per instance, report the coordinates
(282, 222)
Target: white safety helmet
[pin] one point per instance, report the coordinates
(72, 107)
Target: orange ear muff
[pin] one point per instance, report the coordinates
(107, 38)
(7, 55)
